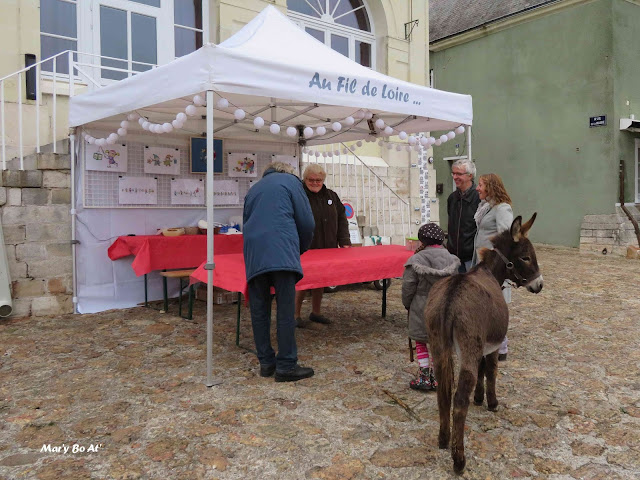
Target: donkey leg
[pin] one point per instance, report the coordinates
(444, 374)
(491, 371)
(478, 396)
(466, 382)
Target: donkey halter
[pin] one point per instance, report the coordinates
(523, 281)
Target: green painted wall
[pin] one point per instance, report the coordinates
(626, 45)
(534, 87)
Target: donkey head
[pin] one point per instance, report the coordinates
(517, 251)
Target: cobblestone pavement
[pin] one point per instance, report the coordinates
(127, 386)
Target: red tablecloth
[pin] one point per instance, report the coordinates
(322, 268)
(157, 252)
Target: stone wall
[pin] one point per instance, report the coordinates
(35, 211)
(614, 232)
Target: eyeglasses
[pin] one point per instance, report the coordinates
(314, 180)
(456, 174)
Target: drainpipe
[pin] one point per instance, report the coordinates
(625, 209)
(6, 306)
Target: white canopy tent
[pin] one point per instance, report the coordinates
(273, 70)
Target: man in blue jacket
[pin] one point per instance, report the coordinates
(278, 227)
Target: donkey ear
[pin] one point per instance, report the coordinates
(524, 230)
(516, 228)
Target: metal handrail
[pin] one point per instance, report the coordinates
(75, 73)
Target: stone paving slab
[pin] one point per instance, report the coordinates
(126, 388)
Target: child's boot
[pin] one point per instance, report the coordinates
(432, 379)
(423, 380)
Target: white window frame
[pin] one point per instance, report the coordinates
(352, 34)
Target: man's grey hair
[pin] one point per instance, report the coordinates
(467, 164)
(282, 168)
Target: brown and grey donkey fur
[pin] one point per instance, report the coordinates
(468, 312)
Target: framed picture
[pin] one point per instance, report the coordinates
(198, 155)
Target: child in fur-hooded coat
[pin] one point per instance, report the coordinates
(430, 263)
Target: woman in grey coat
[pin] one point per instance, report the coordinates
(494, 215)
(430, 263)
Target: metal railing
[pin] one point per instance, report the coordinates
(76, 74)
(370, 194)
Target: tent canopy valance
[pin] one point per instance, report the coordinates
(273, 69)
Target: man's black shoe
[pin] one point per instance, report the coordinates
(298, 373)
(267, 370)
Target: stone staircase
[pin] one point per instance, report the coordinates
(609, 234)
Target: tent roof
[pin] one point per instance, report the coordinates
(271, 68)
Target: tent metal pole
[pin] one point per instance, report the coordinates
(74, 281)
(209, 266)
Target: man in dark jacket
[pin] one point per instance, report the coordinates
(277, 228)
(461, 207)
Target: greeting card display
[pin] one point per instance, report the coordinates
(187, 191)
(242, 164)
(137, 191)
(226, 192)
(198, 155)
(162, 160)
(110, 158)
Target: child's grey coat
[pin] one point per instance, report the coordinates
(421, 271)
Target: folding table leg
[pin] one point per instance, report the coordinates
(146, 296)
(180, 298)
(166, 295)
(384, 298)
(190, 317)
(238, 320)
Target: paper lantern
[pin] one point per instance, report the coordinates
(274, 128)
(380, 142)
(145, 125)
(329, 154)
(380, 123)
(459, 130)
(437, 143)
(344, 151)
(388, 130)
(317, 154)
(349, 121)
(321, 130)
(324, 154)
(141, 120)
(389, 146)
(124, 124)
(451, 135)
(412, 140)
(359, 143)
(408, 148)
(133, 116)
(122, 132)
(311, 153)
(368, 115)
(177, 124)
(223, 103)
(424, 141)
(91, 140)
(403, 135)
(239, 114)
(258, 122)
(359, 115)
(198, 100)
(432, 140)
(181, 117)
(336, 126)
(307, 132)
(336, 152)
(444, 138)
(353, 148)
(291, 131)
(191, 110)
(167, 127)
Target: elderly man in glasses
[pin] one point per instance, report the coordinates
(332, 231)
(461, 208)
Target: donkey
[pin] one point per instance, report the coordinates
(468, 312)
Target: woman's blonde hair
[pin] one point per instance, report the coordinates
(314, 169)
(495, 188)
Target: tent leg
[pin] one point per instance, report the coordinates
(210, 265)
(238, 320)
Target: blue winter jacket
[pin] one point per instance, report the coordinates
(278, 224)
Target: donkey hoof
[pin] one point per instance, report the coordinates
(493, 407)
(443, 443)
(477, 403)
(458, 466)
